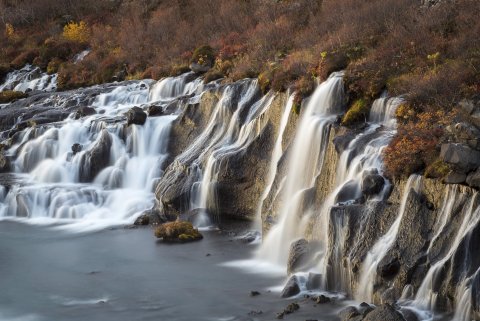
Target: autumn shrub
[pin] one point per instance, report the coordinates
(10, 95)
(76, 32)
(203, 55)
(417, 144)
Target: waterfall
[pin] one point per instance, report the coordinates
(384, 244)
(55, 185)
(305, 164)
(29, 78)
(276, 155)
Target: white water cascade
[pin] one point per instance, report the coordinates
(305, 164)
(383, 245)
(29, 78)
(51, 186)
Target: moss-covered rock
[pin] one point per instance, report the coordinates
(203, 55)
(437, 169)
(178, 232)
(10, 95)
(357, 113)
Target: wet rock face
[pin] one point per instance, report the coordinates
(372, 184)
(154, 110)
(292, 288)
(4, 163)
(97, 158)
(84, 112)
(385, 312)
(300, 256)
(136, 116)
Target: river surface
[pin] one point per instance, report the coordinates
(48, 274)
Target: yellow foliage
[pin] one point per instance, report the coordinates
(9, 31)
(78, 32)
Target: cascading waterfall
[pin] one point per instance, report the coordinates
(51, 183)
(383, 245)
(305, 164)
(276, 155)
(29, 78)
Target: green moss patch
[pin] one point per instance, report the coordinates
(10, 95)
(178, 232)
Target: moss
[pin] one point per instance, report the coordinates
(357, 113)
(437, 169)
(203, 55)
(53, 66)
(177, 232)
(212, 75)
(265, 81)
(10, 95)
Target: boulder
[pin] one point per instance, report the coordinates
(291, 288)
(349, 313)
(466, 134)
(372, 184)
(384, 312)
(461, 157)
(473, 179)
(299, 256)
(349, 192)
(143, 219)
(136, 116)
(409, 315)
(84, 112)
(322, 299)
(155, 110)
(455, 178)
(97, 158)
(365, 308)
(4, 163)
(178, 232)
(76, 148)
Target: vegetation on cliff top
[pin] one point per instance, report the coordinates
(431, 55)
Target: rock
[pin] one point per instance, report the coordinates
(292, 307)
(4, 163)
(314, 281)
(199, 69)
(455, 178)
(467, 105)
(76, 148)
(384, 312)
(388, 267)
(473, 179)
(291, 288)
(322, 299)
(462, 158)
(409, 315)
(155, 110)
(348, 192)
(466, 134)
(299, 256)
(365, 308)
(84, 112)
(143, 219)
(177, 232)
(255, 313)
(136, 116)
(254, 293)
(348, 313)
(97, 158)
(372, 184)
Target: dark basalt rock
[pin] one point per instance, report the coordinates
(455, 178)
(322, 299)
(461, 157)
(97, 158)
(291, 288)
(155, 110)
(384, 312)
(143, 219)
(4, 163)
(76, 148)
(372, 184)
(136, 116)
(84, 112)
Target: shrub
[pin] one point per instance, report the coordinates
(203, 55)
(358, 112)
(437, 169)
(212, 75)
(53, 66)
(10, 96)
(77, 32)
(177, 232)
(9, 31)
